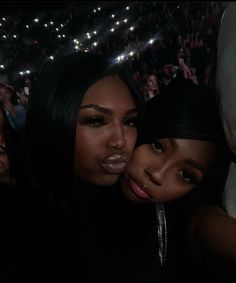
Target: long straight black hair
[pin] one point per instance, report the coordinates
(53, 109)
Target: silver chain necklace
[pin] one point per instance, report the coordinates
(161, 232)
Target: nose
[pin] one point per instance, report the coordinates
(117, 138)
(156, 175)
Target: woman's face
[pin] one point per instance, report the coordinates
(152, 82)
(106, 132)
(151, 87)
(4, 161)
(166, 170)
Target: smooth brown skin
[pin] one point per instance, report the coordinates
(166, 170)
(106, 126)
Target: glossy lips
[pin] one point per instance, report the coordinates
(114, 164)
(138, 190)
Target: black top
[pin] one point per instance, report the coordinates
(97, 236)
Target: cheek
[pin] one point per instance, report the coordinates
(85, 149)
(86, 164)
(136, 161)
(171, 191)
(131, 137)
(140, 160)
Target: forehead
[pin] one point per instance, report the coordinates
(152, 77)
(168, 66)
(108, 89)
(193, 147)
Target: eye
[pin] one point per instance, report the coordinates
(92, 121)
(131, 121)
(158, 146)
(189, 177)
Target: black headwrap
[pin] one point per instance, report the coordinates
(184, 111)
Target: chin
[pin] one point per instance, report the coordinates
(107, 181)
(130, 196)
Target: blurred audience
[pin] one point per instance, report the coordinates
(15, 112)
(151, 87)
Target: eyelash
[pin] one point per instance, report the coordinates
(95, 122)
(131, 122)
(158, 146)
(190, 179)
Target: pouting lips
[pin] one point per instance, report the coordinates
(138, 190)
(114, 167)
(114, 164)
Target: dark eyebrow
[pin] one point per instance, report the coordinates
(105, 110)
(196, 165)
(190, 161)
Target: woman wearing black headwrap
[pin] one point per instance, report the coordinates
(173, 162)
(176, 146)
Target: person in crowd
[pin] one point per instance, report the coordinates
(80, 132)
(173, 72)
(151, 87)
(168, 71)
(5, 173)
(16, 114)
(212, 231)
(179, 151)
(25, 91)
(11, 139)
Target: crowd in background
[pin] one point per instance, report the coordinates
(184, 46)
(184, 34)
(171, 42)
